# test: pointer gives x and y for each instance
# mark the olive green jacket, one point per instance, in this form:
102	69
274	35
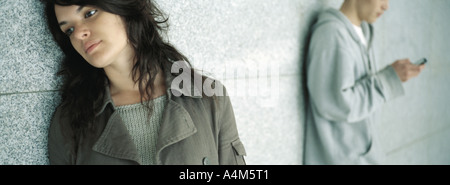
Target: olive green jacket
195	130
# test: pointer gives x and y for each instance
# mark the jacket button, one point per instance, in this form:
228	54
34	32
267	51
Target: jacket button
205	161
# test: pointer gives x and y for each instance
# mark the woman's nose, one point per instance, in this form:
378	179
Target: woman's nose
82	32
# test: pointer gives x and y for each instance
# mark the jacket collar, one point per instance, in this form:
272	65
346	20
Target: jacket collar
115	140
176	125
194	92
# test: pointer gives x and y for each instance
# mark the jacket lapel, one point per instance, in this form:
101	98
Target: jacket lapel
115	141
177	125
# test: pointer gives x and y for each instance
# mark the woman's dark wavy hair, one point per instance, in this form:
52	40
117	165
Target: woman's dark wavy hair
84	85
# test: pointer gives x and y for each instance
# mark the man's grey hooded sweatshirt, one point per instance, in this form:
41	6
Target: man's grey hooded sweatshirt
345	89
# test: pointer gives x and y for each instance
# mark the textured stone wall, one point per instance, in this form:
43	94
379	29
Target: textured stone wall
228	39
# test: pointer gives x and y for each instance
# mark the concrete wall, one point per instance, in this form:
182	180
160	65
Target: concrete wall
415	129
223	37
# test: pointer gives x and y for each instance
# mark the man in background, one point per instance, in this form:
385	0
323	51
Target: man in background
346	87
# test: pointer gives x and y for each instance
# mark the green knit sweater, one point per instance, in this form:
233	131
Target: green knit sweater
144	130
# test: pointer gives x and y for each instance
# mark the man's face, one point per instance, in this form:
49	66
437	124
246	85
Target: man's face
371	10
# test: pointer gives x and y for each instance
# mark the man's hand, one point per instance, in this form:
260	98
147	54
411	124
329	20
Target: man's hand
406	70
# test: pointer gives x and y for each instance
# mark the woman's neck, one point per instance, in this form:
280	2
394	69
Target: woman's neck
124	90
120	77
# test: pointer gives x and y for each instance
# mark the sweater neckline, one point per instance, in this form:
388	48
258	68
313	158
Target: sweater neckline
155	101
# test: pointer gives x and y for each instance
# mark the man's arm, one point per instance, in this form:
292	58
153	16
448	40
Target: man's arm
334	90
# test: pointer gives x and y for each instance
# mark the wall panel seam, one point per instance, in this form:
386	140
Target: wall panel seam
28	92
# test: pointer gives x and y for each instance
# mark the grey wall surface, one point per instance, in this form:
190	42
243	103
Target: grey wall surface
228	40
415	129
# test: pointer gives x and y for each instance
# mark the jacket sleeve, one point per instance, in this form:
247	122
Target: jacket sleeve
58	149
333	88
231	149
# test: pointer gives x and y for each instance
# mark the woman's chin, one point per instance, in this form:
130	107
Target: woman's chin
98	64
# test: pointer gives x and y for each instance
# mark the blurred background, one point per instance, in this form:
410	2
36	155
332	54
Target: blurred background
228	39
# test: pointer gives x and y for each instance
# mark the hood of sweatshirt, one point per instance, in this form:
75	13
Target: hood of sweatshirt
334	15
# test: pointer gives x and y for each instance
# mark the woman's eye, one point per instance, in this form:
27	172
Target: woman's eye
90	13
69	31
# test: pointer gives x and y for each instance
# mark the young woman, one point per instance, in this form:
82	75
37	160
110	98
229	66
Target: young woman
117	105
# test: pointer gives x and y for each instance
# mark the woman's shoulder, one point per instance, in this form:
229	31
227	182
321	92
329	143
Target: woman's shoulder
201	89
59	125
60	113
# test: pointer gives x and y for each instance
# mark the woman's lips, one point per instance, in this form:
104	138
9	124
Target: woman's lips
90	46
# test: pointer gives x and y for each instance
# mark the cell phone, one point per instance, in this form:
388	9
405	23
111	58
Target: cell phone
421	61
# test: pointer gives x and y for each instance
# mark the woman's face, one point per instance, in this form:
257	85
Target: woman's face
98	36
